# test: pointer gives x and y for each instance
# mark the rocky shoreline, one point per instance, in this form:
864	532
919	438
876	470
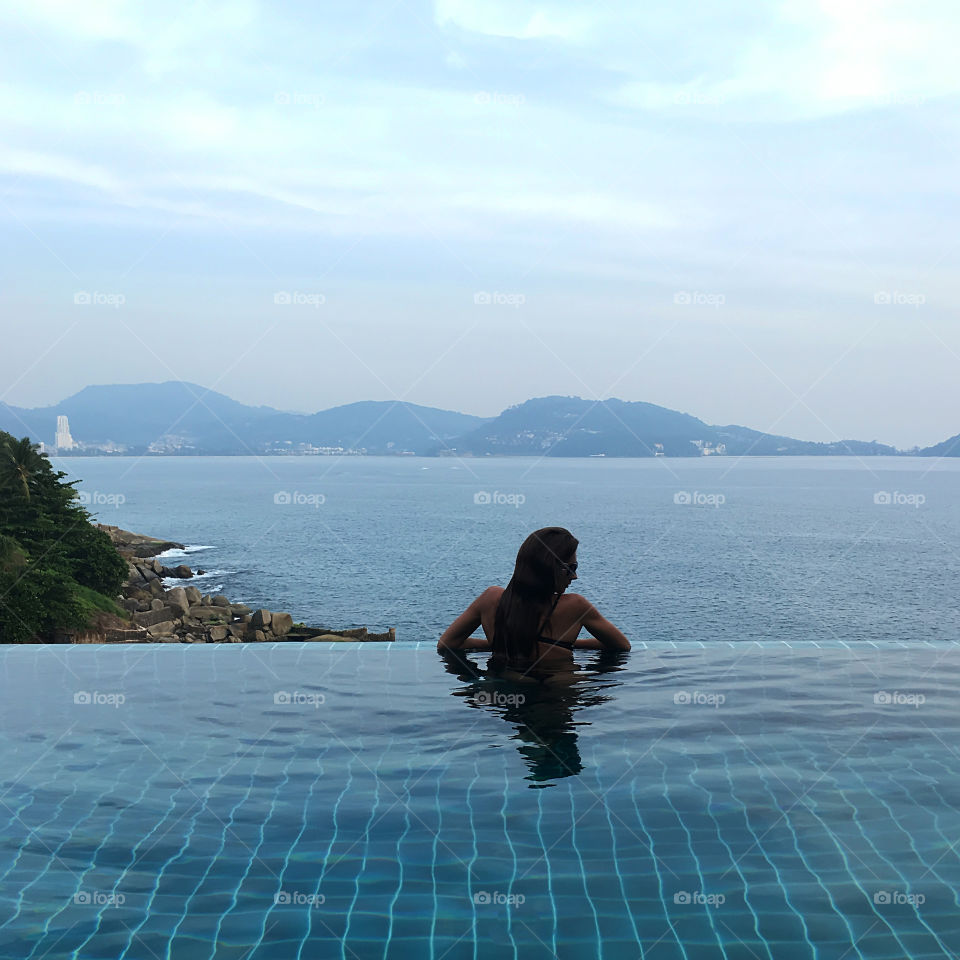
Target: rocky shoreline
185	614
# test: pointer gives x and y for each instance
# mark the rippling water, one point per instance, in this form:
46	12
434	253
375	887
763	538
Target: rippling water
792	548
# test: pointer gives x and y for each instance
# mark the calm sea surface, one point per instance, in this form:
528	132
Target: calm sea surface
794	548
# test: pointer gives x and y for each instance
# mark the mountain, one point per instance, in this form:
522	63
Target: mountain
573	427
186	418
948	448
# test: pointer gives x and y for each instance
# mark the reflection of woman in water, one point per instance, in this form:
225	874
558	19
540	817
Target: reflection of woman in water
532	626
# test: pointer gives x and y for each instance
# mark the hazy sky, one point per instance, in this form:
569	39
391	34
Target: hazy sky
743	210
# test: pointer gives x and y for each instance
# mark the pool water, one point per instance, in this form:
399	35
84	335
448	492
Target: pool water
686	800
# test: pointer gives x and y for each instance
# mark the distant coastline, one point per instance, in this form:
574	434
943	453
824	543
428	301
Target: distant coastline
184	419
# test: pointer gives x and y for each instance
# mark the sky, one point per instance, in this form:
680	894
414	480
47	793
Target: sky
742	210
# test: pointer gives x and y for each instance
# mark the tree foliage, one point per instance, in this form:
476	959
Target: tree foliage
51	555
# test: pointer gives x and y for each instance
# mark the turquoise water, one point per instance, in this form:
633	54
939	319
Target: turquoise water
797	549
686	800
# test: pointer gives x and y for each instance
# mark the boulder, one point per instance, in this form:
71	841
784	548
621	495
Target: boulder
151	617
193	595
205	600
240	609
218	634
155	565
281	624
177	597
162	629
156	589
130	604
157	604
256	636
329	637
260	618
206	614
221	601
146	573
182	572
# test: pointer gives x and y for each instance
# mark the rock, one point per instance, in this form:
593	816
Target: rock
217	634
281	624
193	595
136	593
183	572
146	573
143	606
258	636
329	637
246	618
157	604
236	630
261	618
130	604
177	597
155	565
162	629
205	600
156	589
151	617
239	609
221	601
206	614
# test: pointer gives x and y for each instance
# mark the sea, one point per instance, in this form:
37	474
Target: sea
819	549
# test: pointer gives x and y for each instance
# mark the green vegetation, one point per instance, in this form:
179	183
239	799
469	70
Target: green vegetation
56	568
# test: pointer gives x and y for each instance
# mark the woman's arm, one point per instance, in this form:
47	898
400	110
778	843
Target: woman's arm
457	635
608	637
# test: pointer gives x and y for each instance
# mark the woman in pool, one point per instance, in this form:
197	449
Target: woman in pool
533	625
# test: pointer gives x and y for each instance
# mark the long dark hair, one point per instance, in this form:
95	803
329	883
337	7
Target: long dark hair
532	593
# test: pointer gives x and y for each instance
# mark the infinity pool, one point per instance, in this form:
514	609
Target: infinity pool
347	800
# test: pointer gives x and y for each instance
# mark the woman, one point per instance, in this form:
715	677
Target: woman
533	625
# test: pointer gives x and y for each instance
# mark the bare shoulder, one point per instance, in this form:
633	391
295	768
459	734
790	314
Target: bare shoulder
578	602
490	596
